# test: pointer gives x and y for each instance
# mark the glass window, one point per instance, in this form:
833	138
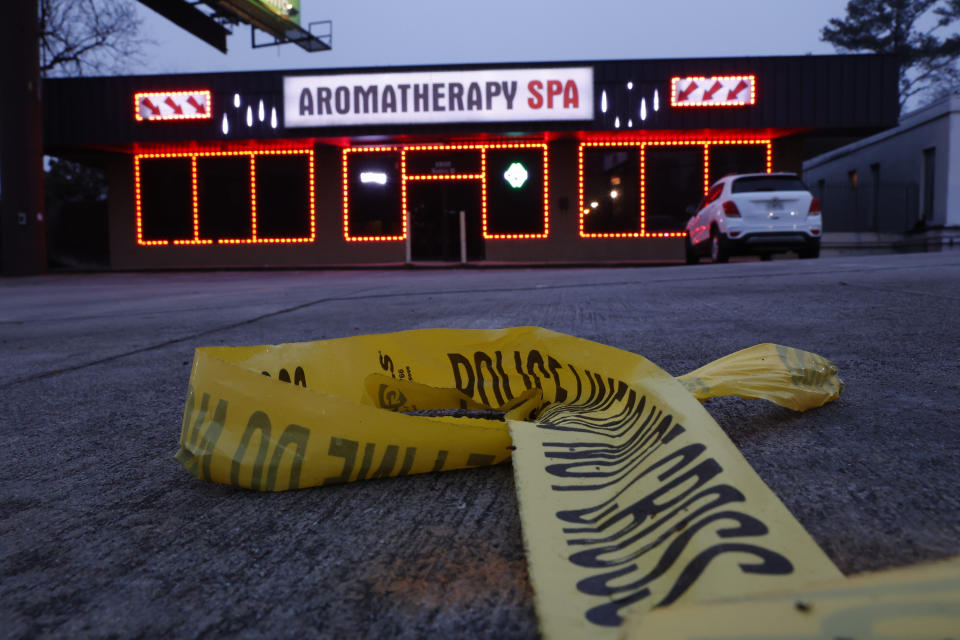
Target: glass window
771	182
611	190
929	165
515	199
223	197
673	181
283	196
726	159
373	188
166	199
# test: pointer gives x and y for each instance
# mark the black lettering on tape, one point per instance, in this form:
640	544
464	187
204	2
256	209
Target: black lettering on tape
196	456
440	461
464	386
480	359
534	358
346	449
518	363
408	457
293	436
579	383
480	459
367	461
611	585
503	376
661	500
388	463
299	377
258	422
554	366
386	362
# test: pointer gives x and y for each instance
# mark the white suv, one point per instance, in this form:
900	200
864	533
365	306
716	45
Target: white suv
755	214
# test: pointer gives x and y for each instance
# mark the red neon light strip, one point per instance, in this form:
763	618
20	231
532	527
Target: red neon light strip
196	214
153	100
641	145
404	212
482	176
709	86
346	195
253	239
446	176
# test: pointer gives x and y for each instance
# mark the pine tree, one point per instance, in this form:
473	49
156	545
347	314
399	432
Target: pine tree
928	62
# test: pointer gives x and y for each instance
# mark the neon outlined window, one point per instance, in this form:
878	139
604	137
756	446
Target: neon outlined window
484	176
255	158
640	147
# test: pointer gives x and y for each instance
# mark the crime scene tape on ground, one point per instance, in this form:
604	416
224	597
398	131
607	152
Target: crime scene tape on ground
631	496
914	603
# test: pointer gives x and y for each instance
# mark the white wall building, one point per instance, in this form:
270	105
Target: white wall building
899	187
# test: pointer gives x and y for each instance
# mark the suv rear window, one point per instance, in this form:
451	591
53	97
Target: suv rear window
767	183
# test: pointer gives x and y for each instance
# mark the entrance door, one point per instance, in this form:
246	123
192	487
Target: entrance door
434	208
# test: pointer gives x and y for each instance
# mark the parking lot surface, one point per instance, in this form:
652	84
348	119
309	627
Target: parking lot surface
105	534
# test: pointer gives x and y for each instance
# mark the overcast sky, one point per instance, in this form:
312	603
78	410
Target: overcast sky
378	33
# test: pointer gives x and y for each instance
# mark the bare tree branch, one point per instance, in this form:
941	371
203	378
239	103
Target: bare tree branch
88	36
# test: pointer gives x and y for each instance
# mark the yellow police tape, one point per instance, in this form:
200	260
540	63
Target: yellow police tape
631	495
913	603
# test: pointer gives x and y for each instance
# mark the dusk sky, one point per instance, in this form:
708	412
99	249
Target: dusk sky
378	33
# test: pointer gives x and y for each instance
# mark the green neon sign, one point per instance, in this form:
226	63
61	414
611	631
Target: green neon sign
516	175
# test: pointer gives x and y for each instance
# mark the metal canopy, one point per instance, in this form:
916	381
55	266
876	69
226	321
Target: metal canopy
210	20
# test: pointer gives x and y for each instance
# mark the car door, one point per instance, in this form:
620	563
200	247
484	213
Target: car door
700	229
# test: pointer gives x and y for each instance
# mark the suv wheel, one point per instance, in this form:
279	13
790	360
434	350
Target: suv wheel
692	257
718	246
812	250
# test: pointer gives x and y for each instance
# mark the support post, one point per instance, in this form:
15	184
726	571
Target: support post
463	237
23	243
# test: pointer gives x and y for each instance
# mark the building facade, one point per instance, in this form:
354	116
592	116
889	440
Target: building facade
902	184
516	163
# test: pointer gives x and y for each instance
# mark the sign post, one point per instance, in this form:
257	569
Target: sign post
23	243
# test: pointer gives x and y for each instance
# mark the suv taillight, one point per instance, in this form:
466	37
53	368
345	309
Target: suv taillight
814	207
730	209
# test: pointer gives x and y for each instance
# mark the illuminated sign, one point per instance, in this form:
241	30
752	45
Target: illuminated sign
516	175
373	177
289	9
172	105
713	91
495	95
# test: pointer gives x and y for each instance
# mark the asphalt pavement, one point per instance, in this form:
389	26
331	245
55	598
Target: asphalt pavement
104	534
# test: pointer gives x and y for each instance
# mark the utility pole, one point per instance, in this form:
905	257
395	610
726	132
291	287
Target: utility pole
23	243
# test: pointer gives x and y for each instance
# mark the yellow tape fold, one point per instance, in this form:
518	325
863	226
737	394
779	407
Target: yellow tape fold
631	495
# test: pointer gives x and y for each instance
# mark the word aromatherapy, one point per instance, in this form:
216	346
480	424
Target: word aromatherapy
498	95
